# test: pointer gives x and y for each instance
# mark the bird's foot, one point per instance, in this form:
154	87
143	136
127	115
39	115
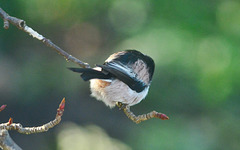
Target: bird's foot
121	106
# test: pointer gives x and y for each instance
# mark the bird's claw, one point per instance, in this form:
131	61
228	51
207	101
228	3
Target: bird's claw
120	105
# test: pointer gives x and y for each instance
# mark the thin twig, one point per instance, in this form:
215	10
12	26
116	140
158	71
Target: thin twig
143	117
21	24
29	130
6	142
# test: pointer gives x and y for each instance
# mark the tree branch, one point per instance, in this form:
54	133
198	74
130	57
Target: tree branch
140	118
7	143
29	130
21	24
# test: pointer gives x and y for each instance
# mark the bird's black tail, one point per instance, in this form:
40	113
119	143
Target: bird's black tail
89	73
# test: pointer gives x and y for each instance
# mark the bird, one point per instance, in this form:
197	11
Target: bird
124	78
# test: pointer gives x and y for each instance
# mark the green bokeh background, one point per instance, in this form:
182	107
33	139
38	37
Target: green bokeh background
196	48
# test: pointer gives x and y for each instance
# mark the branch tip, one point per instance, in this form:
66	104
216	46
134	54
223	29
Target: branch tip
162	116
2	107
10	121
62	104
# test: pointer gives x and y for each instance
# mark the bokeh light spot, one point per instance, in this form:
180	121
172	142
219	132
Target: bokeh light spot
92	137
48	11
214	59
215	88
164	45
128	16
213	54
83	39
228	17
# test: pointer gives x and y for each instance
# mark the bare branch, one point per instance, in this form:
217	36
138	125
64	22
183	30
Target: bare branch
29	130
143	117
6	142
21	24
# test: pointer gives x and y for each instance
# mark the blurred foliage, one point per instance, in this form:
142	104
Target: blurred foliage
195	45
72	136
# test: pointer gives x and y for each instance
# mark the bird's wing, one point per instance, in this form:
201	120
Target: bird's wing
124	75
89	73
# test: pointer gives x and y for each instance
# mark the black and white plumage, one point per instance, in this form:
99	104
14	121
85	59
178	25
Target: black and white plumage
124	77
